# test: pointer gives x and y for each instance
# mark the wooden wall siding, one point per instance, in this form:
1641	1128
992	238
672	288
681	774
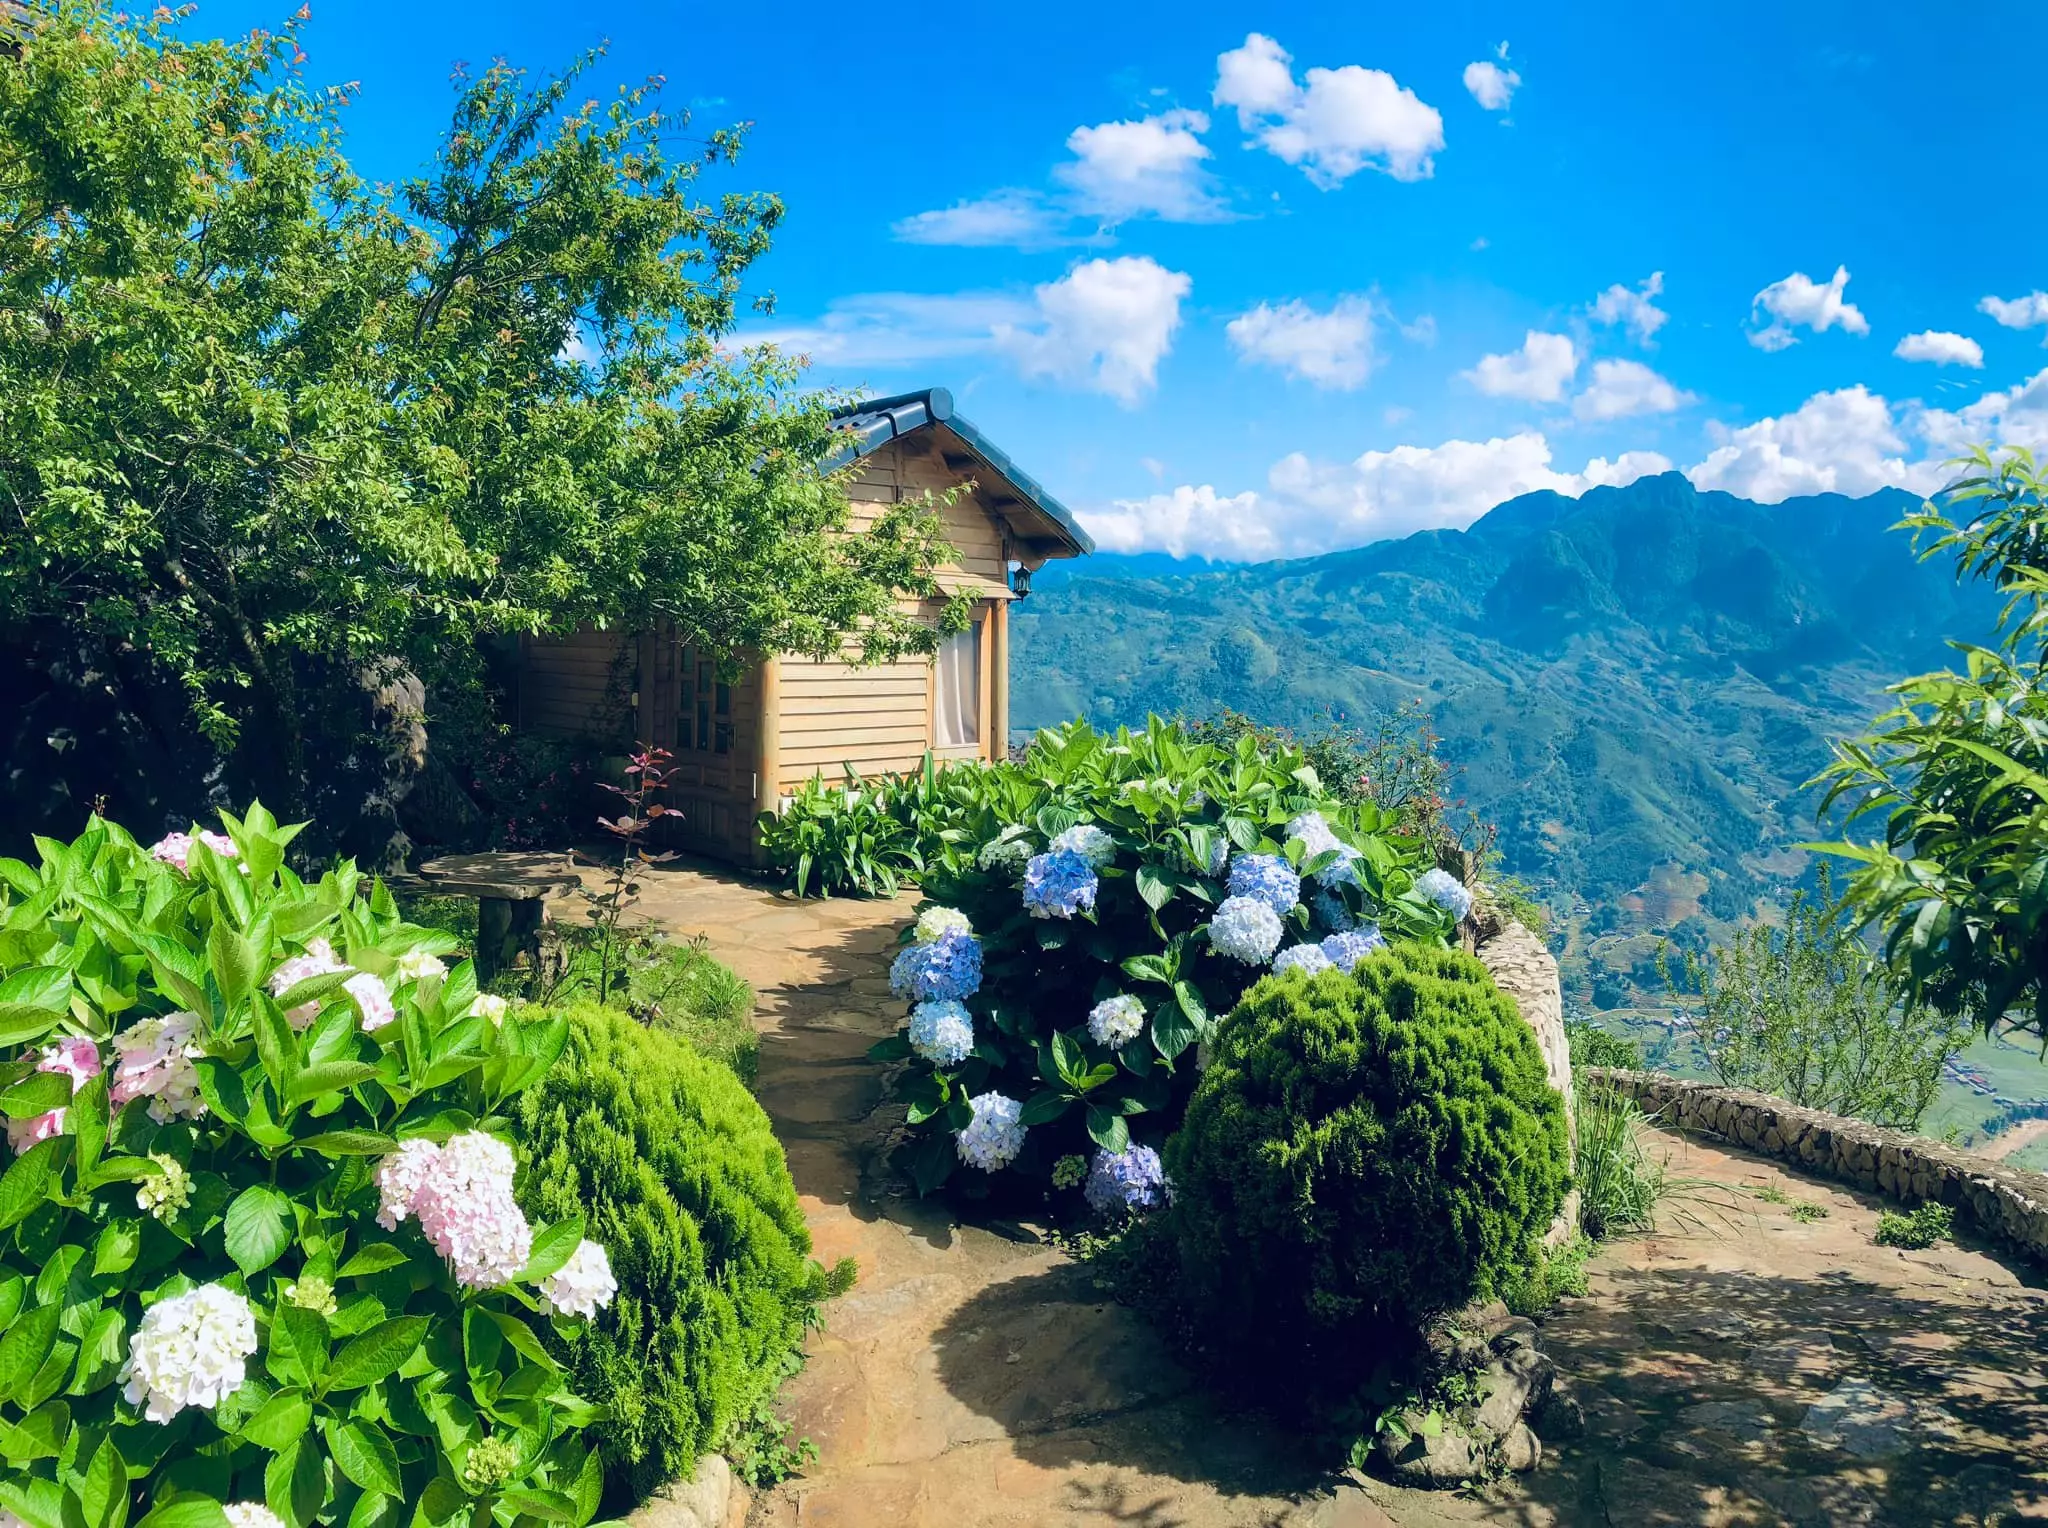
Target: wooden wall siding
876	719
578	686
896	472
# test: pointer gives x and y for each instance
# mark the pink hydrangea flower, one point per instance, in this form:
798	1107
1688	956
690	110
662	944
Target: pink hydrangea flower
74	1058
319	960
400	1178
175	849
462	1194
153	1059
373	999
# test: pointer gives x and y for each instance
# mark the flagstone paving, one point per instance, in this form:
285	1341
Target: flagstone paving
1741	1366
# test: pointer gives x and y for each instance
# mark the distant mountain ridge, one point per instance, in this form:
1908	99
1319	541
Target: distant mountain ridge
1635	683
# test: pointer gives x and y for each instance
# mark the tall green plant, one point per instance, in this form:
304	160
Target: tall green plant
1957	773
1808	1013
258	1245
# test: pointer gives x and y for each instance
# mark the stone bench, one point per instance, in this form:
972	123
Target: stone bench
511	891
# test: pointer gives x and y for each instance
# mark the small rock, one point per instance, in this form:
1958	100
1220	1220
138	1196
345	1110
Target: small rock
1559	1413
1515	1332
1446	1459
699	1502
1521	1451
1504	1396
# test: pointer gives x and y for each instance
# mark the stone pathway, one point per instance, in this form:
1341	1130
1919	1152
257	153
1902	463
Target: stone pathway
1739	1367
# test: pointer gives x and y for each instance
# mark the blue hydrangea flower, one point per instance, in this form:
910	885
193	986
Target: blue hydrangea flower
1447	891
1116	1021
1090	842
1332	912
1346	950
947	968
942	1032
1058	884
995	1135
1317	837
1245	929
1301	957
1131	1179
1265	878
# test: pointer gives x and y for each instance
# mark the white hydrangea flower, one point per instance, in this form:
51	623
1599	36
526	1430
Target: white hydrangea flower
400	1177
995	1135
1093	844
1301	957
1317	837
251	1514
164	1194
1116	1021
190	1350
319	960
942	1031
373	999
153	1060
488	1005
1009	851
934	921
582	1286
418	965
1245	929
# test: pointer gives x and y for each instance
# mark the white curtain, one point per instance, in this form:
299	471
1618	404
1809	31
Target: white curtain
957	691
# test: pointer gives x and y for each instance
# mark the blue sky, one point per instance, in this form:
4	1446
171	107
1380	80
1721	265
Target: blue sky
1270	280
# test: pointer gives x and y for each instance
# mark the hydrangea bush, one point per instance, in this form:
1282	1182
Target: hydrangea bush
1092	909
260	1259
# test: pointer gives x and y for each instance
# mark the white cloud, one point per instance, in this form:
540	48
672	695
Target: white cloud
1309	507
1536	373
1151	166
1010	217
1799	301
1104	326
1839	442
2028	312
2018	416
1623	389
1940	347
1421	330
1332	349
1333	124
898	329
1491	86
1636	309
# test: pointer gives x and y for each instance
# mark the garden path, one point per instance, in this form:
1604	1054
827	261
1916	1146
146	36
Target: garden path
1743	1366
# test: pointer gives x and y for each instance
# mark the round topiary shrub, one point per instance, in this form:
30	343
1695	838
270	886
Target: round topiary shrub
674	1165
1362	1153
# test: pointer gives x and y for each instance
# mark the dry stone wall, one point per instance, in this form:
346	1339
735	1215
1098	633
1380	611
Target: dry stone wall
1527	972
2007	1204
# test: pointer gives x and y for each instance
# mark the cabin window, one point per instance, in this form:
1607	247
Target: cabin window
956	691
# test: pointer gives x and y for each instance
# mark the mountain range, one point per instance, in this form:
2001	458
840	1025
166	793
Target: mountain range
1633	685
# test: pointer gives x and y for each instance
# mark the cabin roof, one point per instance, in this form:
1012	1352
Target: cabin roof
1035	515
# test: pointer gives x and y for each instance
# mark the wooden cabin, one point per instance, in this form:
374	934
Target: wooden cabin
744	741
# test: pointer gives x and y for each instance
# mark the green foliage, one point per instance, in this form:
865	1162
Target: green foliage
1594	1044
268	422
1363	1153
1171	807
678	1173
1917	1230
859	839
1806	1013
1549	1276
380	1391
1806	1212
1958	774
1619	1183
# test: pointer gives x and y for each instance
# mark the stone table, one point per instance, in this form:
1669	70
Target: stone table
511	891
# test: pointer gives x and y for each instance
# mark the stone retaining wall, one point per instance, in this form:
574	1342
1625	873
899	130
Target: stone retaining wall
2007	1204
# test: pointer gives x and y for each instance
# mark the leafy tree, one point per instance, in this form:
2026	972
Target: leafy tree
1958	774
1808	1013
270	434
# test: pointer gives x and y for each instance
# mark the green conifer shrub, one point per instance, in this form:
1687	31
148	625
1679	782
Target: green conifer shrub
1362	1153
674	1164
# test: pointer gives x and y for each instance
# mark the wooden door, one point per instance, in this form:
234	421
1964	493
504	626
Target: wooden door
714	781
